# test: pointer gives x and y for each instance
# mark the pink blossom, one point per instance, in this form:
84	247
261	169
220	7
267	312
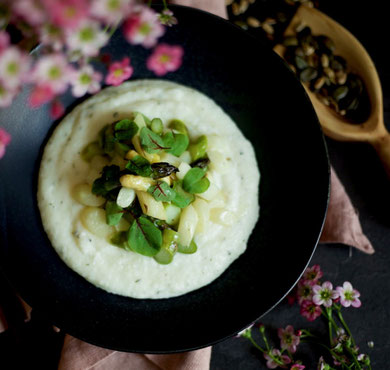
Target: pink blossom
14	65
5	139
57	109
67	14
275	353
348	295
40	94
86	39
6	95
304	291
84	80
297	367
143	27
165	58
32	11
119	72
4	40
310	310
111	11
52	71
312	275
52	36
324	294
288	339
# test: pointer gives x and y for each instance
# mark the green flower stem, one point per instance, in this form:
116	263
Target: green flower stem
355	360
265	339
340	316
255	344
165	5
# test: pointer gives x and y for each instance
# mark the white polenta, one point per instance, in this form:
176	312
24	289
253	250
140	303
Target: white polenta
114	269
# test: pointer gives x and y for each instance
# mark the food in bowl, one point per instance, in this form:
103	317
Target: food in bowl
148	190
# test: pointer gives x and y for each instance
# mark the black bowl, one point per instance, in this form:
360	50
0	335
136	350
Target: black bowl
258	91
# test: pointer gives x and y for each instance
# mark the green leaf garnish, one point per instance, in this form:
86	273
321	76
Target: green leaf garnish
139	166
162	192
144	237
121	149
125	129
151	142
113	213
195	181
120	240
107	139
182	198
108	181
177	143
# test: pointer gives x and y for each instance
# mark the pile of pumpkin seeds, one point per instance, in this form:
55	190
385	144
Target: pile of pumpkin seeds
311	57
313	60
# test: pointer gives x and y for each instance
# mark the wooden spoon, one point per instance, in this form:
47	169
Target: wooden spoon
373	130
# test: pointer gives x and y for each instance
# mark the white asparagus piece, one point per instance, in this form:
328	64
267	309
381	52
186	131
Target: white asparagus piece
187	225
151	206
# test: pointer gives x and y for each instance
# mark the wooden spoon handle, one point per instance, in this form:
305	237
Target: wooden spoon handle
382	146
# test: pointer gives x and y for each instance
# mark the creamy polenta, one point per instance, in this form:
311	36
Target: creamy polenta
222	232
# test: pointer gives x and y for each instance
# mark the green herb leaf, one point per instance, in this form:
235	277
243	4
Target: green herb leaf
107	139
182	199
125	129
151	142
162	192
113	213
121	149
120	240
177	143
144	237
139	166
195	181
108	181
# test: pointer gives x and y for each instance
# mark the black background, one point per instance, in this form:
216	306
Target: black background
364	179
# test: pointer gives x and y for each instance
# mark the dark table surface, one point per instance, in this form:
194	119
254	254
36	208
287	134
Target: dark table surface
361	172
364	179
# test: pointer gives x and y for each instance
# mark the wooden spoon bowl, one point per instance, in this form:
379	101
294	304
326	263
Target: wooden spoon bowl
334	125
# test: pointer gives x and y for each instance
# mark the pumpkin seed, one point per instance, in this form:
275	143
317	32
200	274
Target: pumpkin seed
341	77
253	22
340	93
324	60
319	83
300	63
268	28
308	74
290	41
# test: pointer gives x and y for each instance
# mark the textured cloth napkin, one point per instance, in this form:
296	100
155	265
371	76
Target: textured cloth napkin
341	226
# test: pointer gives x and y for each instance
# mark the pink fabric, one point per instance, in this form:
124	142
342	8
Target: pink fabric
78	355
217	7
342	223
